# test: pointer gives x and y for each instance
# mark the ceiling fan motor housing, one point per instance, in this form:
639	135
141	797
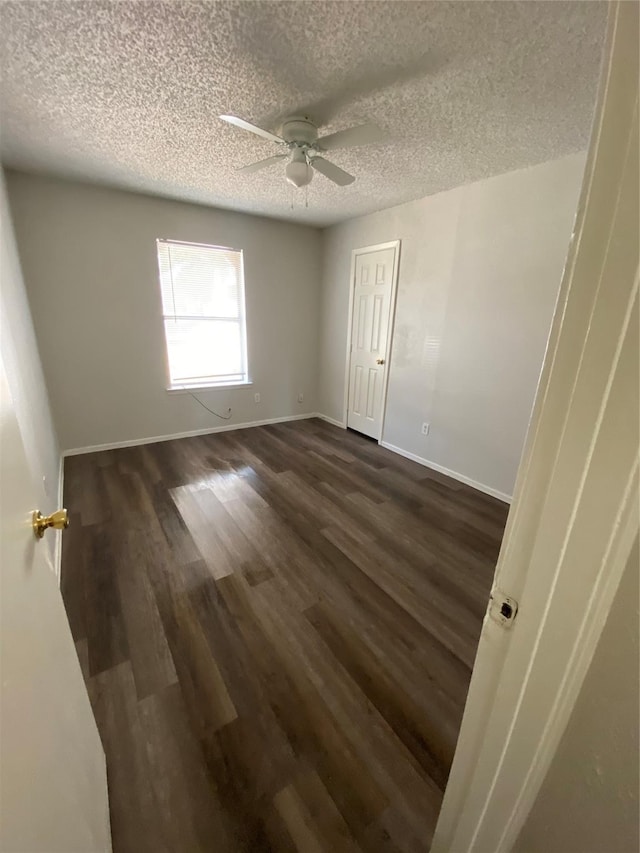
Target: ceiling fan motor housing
299	129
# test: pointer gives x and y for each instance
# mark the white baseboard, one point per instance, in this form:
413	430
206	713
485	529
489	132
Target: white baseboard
134	442
333	421
488	490
107	818
228	427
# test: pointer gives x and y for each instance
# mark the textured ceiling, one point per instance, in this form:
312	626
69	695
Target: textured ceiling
128	93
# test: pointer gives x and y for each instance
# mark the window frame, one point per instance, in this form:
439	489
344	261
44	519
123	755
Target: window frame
203	383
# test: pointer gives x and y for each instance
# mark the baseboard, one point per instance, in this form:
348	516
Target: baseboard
488	490
107	818
333	421
135	442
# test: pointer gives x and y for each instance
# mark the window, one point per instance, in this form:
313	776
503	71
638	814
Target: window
204	315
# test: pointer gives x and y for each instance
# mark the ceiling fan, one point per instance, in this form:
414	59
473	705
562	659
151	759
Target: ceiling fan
299	136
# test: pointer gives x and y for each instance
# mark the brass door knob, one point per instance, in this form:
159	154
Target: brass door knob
379	360
58	520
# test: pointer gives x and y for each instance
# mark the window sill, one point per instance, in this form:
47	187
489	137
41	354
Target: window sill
218	386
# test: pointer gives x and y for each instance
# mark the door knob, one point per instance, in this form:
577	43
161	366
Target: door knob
379	360
58	520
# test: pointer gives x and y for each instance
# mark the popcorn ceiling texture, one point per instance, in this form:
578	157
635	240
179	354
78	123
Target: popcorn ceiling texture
128	93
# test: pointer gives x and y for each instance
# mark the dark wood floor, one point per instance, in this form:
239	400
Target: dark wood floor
277	628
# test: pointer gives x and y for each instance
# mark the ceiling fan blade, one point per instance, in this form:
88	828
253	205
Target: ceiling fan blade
331	171
364	134
262	164
252	128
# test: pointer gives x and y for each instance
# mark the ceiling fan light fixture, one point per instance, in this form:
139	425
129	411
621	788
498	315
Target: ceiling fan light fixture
298	172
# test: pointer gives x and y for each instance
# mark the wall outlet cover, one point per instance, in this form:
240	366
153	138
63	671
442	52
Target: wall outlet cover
425	429
301	397
256	397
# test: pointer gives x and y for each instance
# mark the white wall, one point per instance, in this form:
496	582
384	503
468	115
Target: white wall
480	268
588	802
24	370
89	262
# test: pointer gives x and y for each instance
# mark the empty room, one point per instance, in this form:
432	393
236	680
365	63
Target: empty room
319	426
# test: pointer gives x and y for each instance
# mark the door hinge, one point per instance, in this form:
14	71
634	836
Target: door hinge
502	608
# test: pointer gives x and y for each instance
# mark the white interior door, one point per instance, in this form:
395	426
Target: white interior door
53	790
373	290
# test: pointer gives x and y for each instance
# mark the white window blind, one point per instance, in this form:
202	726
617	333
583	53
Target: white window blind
204	313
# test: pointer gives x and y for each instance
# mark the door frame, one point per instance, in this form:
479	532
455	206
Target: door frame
565	548
364	250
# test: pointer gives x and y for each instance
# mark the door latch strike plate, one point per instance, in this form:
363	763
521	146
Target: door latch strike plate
502	608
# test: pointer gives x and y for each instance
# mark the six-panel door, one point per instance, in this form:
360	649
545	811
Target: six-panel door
372	292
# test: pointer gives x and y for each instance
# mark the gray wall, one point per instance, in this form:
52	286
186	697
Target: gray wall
24	371
480	268
479	272
89	262
588	802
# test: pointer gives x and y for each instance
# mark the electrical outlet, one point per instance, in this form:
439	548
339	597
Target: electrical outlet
301	397
425	429
256	397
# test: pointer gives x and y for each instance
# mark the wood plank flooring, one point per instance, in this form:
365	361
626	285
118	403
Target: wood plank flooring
277	627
